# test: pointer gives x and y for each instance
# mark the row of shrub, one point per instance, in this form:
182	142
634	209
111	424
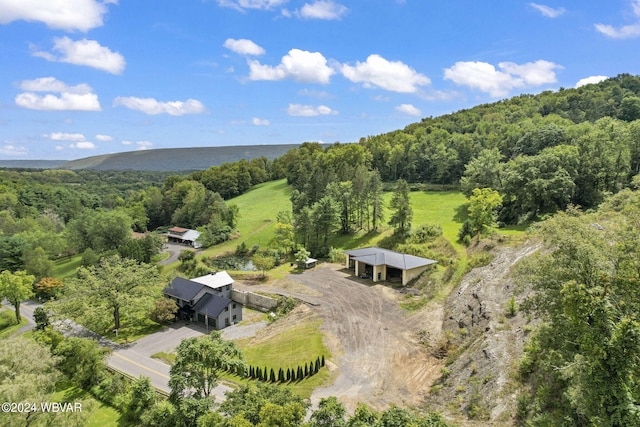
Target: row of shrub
282	376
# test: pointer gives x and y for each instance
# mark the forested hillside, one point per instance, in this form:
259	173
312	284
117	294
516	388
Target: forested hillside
541	153
531	155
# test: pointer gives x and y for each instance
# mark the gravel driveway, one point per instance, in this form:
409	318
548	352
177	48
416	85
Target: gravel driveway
373	340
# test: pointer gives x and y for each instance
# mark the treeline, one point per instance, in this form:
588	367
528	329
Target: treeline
46	215
541	153
581	365
282	377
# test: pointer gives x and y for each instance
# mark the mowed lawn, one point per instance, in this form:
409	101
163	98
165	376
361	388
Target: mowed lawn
291	348
260	206
445	208
258	210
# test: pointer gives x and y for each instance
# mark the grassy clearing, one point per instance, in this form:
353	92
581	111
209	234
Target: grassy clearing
258	210
66	267
8	323
288	349
99	414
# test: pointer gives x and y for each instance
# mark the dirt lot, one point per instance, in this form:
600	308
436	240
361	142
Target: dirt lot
375	350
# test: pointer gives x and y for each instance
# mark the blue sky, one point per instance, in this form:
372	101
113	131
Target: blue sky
87	77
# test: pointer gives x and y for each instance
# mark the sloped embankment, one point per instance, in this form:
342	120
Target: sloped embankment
485	342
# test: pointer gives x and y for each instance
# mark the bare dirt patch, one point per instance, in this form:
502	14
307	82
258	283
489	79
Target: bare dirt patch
379	360
377	356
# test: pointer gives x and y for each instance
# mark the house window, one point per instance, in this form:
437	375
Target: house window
234	305
235	317
226	308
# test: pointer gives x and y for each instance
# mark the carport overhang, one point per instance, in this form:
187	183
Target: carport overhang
359	263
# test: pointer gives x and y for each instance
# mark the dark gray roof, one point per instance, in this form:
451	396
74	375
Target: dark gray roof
183	289
211	305
378	256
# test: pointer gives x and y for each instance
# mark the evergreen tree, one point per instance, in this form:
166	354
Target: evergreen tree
401	206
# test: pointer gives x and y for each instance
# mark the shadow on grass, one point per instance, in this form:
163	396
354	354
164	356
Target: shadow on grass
462	213
131	332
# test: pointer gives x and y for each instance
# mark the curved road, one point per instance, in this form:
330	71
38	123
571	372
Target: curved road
135	359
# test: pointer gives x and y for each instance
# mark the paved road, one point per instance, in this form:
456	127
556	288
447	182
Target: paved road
174	250
135	359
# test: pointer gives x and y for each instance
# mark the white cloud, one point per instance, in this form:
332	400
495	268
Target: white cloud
309	110
486	78
85	52
315	94
51	84
10	149
547	11
590	80
394	76
104	138
61	136
74	98
242	5
323	9
626	31
153	107
69	15
260	122
409	109
83	145
298	65
243	47
140	145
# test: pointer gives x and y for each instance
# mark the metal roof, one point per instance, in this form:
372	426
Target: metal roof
211	305
214	280
183	289
378	256
178	230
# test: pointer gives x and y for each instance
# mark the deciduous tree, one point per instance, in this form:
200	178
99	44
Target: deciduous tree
115	285
16	287
483	209
198	364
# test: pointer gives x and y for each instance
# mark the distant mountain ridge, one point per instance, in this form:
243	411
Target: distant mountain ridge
162	159
32	164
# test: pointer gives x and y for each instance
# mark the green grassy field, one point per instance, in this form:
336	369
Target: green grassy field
66	267
259	207
99	414
258	210
288	349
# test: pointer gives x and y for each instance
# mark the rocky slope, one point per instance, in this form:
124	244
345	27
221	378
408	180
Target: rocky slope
484	338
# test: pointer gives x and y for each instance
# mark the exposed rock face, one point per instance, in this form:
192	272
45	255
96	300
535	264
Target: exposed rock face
485	343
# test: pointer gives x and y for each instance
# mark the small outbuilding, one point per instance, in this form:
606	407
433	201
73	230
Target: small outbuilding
309	263
184	236
383	264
